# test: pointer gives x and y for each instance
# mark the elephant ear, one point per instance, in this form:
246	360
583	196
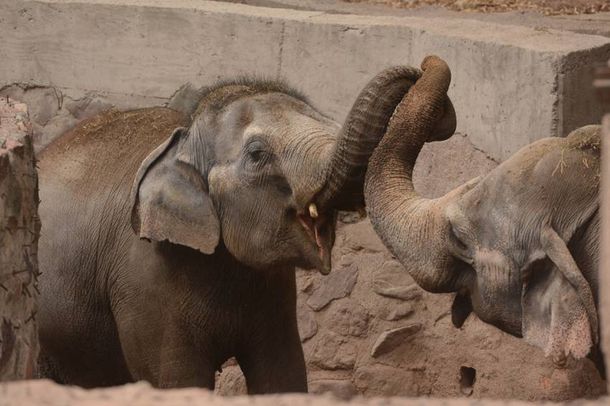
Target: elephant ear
170	201
559	313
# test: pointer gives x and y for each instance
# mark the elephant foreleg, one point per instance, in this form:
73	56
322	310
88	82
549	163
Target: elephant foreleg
276	364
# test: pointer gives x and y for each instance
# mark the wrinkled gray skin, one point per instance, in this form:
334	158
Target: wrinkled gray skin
520	246
162	256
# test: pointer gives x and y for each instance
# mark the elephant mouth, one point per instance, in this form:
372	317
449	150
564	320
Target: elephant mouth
319	230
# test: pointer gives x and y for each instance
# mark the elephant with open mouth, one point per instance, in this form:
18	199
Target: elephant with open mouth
169	241
519	246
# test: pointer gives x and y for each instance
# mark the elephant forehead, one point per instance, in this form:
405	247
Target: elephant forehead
300	141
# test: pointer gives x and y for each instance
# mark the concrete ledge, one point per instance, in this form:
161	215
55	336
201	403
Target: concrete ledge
511	84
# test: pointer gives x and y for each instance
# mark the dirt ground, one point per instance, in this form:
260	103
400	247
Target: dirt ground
547	7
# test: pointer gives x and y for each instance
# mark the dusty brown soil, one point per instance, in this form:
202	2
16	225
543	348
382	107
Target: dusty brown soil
547	7
30	393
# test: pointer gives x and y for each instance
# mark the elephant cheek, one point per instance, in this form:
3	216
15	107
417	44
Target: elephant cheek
222	188
235	203
496	296
219	183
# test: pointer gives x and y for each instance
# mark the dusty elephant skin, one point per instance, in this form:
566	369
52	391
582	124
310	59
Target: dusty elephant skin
166	250
519	245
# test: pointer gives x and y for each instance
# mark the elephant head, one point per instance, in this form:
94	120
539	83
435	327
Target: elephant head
511	244
261	172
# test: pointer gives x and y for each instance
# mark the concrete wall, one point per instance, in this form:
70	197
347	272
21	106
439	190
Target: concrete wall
511	84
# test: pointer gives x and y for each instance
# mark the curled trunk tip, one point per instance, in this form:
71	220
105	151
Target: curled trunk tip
361	132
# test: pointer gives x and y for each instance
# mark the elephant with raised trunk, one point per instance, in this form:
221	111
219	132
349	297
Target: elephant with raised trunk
519	246
167	249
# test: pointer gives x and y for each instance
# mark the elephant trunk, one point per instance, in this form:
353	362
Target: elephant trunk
415	229
361	132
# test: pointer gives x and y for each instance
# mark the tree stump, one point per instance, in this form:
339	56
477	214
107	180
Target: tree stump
19	230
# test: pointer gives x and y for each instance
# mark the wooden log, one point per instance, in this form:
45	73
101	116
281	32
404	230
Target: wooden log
19	230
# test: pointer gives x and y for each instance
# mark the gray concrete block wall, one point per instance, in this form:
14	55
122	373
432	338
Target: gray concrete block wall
511	85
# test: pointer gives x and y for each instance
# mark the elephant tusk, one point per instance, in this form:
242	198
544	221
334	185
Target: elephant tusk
313	211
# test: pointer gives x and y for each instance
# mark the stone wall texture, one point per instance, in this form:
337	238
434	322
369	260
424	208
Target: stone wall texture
19	230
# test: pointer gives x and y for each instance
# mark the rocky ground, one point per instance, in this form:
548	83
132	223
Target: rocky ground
547	7
141	394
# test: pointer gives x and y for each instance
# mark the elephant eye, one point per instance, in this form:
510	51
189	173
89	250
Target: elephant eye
256	152
257	155
460	248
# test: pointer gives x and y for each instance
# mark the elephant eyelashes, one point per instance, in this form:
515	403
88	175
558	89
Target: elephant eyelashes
257	156
460	249
256	153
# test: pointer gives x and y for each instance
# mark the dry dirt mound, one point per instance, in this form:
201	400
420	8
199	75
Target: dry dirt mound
547	7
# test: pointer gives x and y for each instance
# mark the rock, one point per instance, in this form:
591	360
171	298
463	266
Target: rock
14	92
381	379
390	339
186	99
43	102
305	281
348	318
86	107
57	126
342	389
350	217
383	288
391	274
333	352
336	285
361	237
399	312
308	327
230	381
